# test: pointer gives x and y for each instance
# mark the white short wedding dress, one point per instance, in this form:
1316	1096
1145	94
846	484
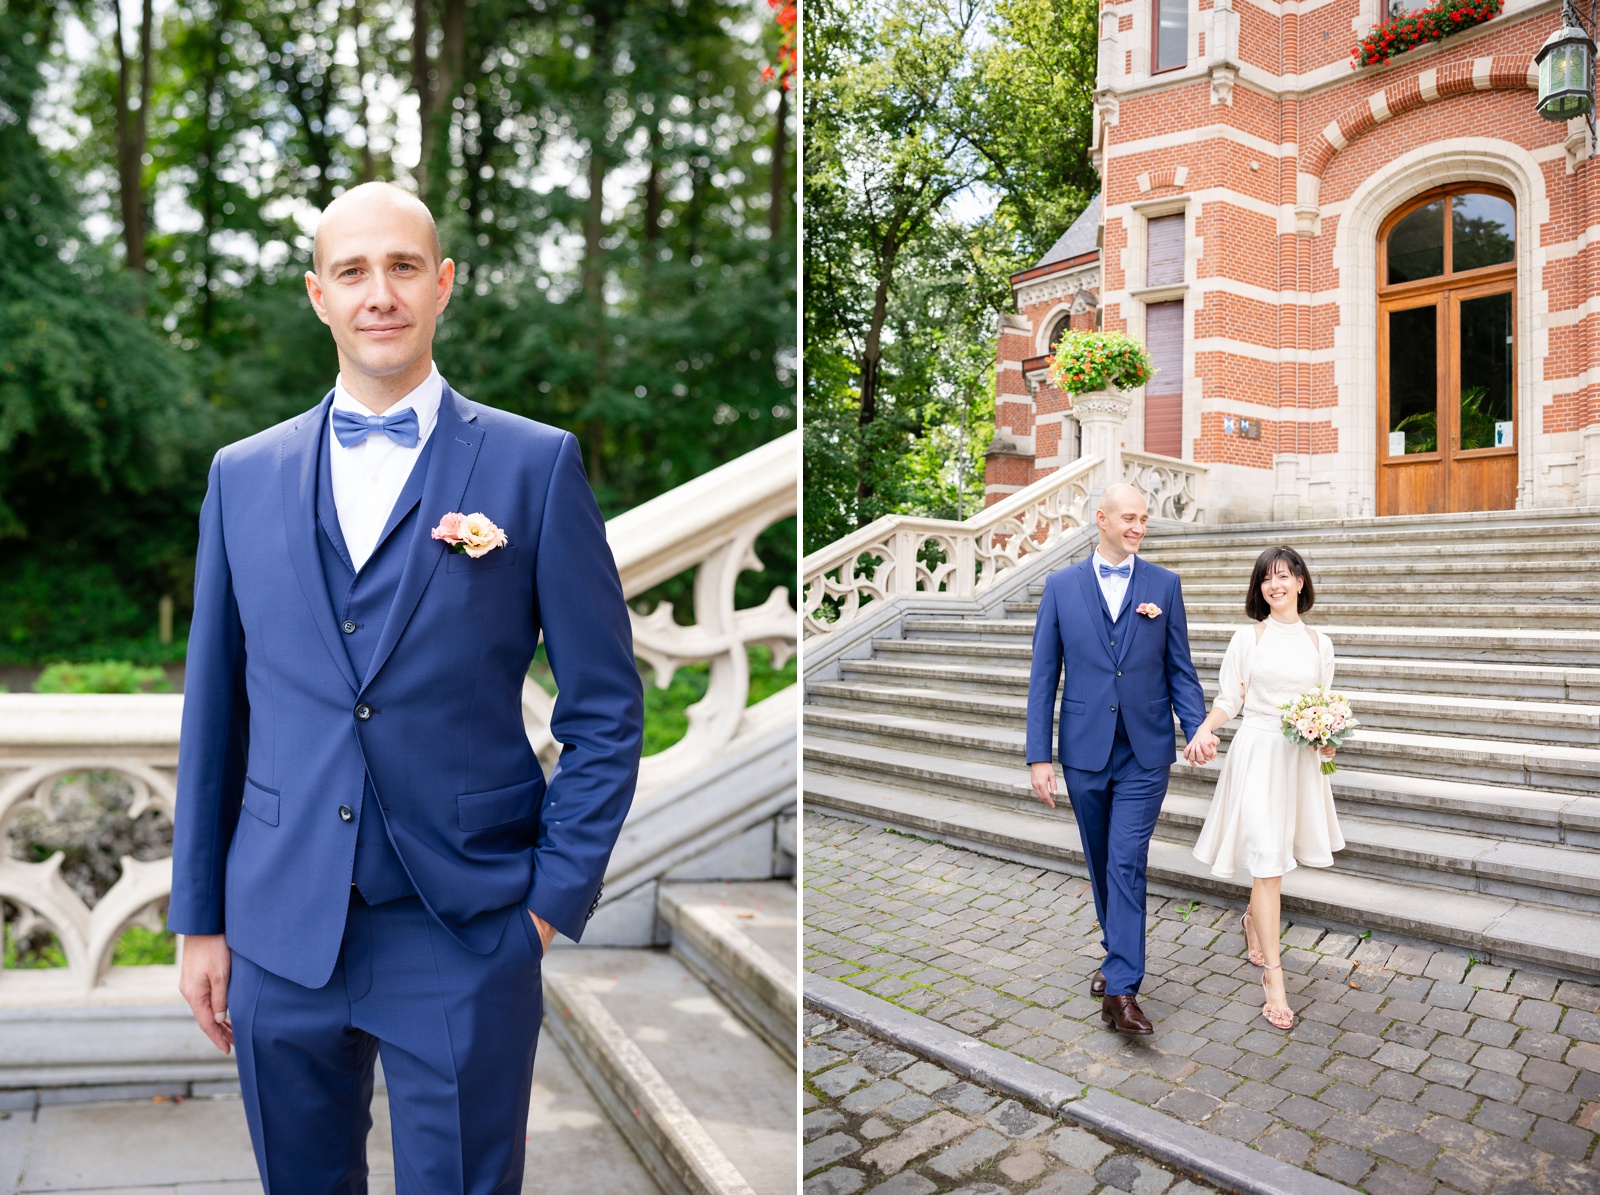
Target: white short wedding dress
1273	808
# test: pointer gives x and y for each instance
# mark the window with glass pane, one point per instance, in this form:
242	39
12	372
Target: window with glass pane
1413	381
1485	372
1060	330
1483	231
1416	244
1172	34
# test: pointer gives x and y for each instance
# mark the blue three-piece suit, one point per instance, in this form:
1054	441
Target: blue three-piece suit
359	808
1124	678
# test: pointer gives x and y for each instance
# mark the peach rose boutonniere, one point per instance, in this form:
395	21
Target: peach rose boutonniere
1148	609
473	534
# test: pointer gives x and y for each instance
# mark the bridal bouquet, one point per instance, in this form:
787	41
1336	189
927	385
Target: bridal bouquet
1318	719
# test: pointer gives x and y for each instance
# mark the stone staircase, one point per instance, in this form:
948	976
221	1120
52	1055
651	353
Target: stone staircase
1470	801
691	1051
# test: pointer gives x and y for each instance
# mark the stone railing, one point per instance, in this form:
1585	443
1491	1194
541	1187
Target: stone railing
902	556
1170	486
708	526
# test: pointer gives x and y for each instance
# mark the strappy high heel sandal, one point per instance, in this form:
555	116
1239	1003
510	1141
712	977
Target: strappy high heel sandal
1254	954
1266	1007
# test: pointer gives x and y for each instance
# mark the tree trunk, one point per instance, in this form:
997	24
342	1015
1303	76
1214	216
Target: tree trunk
363	112
420	84
780	151
871	367
652	189
131	139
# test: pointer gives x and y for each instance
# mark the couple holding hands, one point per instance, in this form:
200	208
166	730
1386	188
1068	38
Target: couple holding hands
1116	626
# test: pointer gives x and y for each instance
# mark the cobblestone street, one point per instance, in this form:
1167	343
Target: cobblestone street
882	1122
1410	1069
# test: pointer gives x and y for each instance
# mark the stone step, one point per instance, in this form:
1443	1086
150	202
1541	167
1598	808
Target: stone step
702	1099
1558	768
1402	569
1002	699
1546	872
1568	648
973	665
1484	587
1493	927
1553	614
1490	812
742	940
1425	535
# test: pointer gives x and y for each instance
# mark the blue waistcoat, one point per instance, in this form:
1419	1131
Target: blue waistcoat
361	602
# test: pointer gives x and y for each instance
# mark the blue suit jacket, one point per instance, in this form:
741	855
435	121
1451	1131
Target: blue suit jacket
272	744
1145	677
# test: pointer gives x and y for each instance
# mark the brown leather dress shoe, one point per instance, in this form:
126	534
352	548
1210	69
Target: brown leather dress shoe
1123	1014
1097	984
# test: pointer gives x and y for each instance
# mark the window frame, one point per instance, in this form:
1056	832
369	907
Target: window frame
1155	40
1450	277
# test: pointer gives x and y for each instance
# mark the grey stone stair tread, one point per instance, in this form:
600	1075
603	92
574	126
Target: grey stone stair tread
573	1148
1447	636
1502	803
738	1090
1573	869
767	911
1495	924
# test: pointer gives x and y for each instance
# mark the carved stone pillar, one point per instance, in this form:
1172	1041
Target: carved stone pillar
1100	414
1589	468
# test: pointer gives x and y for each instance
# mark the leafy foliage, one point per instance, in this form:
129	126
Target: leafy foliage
1086	361
1406	29
946	149
102	676
612	180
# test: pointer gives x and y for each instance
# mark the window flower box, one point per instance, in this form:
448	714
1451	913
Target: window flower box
1409	30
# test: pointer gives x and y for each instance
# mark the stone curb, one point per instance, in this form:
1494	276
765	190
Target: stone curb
1225	1162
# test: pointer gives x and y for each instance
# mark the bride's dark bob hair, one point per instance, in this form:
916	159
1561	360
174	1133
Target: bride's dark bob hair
1255	606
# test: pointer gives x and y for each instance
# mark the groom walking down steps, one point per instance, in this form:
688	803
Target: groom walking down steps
367	859
1116	625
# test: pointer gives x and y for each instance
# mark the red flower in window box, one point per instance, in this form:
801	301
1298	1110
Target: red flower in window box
1436	22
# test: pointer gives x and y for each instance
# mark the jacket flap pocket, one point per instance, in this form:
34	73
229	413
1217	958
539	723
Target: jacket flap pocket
1073	707
260	802
480	811
498	558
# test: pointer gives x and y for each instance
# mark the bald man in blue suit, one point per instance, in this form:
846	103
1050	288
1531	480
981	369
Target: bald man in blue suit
367	858
1116	627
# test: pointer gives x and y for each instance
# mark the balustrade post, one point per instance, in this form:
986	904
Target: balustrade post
1100	414
966	562
904	548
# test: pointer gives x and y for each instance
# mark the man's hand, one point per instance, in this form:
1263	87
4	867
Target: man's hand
1201	749
547	932
203	982
1043	778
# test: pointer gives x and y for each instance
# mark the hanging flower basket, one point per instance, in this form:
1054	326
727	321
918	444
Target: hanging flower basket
1411	29
1086	361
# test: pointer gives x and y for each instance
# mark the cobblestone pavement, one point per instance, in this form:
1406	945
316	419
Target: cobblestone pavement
880	1121
1413	1070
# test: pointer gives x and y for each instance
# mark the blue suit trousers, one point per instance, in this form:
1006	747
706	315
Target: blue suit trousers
1116	809
456	1031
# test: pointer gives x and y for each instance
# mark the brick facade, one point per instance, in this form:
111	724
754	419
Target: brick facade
1284	162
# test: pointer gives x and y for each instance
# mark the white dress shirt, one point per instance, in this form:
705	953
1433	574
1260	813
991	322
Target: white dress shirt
1114	587
368	478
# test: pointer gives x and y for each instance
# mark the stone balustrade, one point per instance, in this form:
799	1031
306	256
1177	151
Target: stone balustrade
709	525
904	555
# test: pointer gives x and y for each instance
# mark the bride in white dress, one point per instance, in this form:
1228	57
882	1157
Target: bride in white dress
1273	808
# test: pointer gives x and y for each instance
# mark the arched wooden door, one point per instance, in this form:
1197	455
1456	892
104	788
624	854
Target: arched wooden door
1447	422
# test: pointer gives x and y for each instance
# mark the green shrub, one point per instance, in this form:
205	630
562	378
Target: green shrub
102	676
141	947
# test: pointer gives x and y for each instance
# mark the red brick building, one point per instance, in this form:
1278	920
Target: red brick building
1367	291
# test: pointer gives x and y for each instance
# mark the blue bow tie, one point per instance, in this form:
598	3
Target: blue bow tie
1121	570
401	427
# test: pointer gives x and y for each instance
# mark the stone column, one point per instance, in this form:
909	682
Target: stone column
1589	468
1100	414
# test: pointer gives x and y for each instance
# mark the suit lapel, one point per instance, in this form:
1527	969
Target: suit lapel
1094	602
455	443
1137	595
298	470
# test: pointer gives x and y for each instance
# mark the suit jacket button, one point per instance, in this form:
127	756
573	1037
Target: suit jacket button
363	712
346	814
1113	709
348	627
1119	673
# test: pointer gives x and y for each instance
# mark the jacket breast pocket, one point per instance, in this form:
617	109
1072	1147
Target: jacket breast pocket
459	562
260	802
498	806
1073	707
